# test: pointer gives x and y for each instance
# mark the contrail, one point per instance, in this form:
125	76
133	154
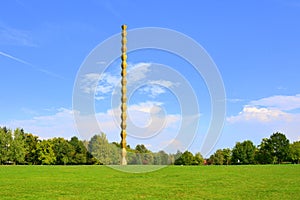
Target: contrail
14	58
31	65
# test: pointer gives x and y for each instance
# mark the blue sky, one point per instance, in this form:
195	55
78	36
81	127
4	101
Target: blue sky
254	44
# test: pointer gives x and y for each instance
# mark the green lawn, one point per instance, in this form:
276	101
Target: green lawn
174	182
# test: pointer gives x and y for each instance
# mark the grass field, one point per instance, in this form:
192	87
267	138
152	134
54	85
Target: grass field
174	182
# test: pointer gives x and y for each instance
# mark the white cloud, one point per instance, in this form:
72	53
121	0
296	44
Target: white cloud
105	83
275	113
147	107
252	113
60	124
146	119
89	82
155	88
268	109
137	72
101	84
99	98
167	84
152	90
279	102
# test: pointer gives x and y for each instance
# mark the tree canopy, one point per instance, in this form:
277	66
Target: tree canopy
18	147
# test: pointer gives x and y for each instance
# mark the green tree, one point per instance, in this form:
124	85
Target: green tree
132	158
263	154
243	153
175	157
156	159
115	153
5	145
295	152
217	158
198	159
148	158
18	149
141	148
144	156
46	155
78	151
185	159
227	156
100	148
280	147
163	158
62	150
31	154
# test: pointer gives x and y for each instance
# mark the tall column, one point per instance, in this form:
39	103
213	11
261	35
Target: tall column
123	98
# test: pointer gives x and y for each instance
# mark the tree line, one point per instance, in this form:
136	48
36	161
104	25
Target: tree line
18	147
273	150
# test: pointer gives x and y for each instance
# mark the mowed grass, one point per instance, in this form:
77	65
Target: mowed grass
173	182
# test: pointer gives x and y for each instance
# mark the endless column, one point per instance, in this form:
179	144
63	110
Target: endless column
123	98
